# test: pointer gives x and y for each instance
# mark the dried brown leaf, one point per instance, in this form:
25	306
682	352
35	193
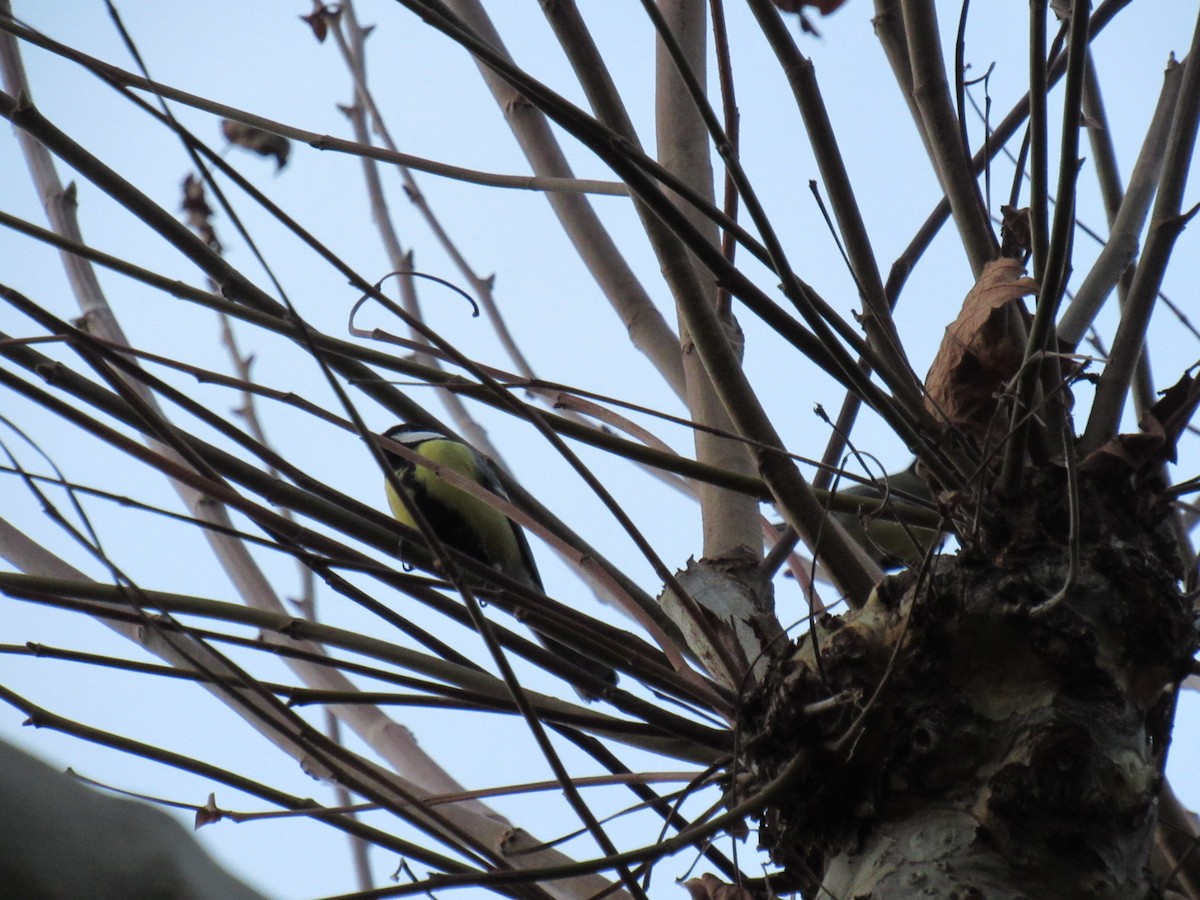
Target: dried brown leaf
1015	238
197	213
318	20
979	354
709	887
1159	432
257	141
1176	409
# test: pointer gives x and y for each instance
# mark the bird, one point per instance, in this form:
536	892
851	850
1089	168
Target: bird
891	544
469	524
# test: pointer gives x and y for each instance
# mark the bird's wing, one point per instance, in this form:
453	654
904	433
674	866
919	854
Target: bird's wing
488	479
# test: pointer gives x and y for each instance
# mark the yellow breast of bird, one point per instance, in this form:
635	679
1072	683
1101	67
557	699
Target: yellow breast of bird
460	520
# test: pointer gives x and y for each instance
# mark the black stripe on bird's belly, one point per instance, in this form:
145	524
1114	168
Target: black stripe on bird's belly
450	526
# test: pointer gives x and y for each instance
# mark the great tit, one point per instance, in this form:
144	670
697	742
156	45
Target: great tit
889	543
470	525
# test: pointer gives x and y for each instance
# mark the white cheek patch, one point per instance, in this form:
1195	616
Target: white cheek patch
412	438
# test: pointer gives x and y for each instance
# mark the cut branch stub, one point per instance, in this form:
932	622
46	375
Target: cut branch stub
980	353
739	612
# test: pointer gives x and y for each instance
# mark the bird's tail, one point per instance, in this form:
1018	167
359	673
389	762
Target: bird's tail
586	689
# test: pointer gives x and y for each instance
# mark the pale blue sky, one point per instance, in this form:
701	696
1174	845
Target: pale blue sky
261	58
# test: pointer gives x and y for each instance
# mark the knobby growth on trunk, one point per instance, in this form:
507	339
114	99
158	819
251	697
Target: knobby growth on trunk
997	723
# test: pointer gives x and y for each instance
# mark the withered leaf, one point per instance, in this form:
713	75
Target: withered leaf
257	141
979	354
197	213
1175	410
1015	238
1159	431
318	20
709	887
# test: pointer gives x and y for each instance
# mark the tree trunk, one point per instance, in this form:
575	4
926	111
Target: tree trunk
998	726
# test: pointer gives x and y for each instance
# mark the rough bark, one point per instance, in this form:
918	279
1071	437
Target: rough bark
992	735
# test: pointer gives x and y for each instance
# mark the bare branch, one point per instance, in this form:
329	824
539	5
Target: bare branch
1165	226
